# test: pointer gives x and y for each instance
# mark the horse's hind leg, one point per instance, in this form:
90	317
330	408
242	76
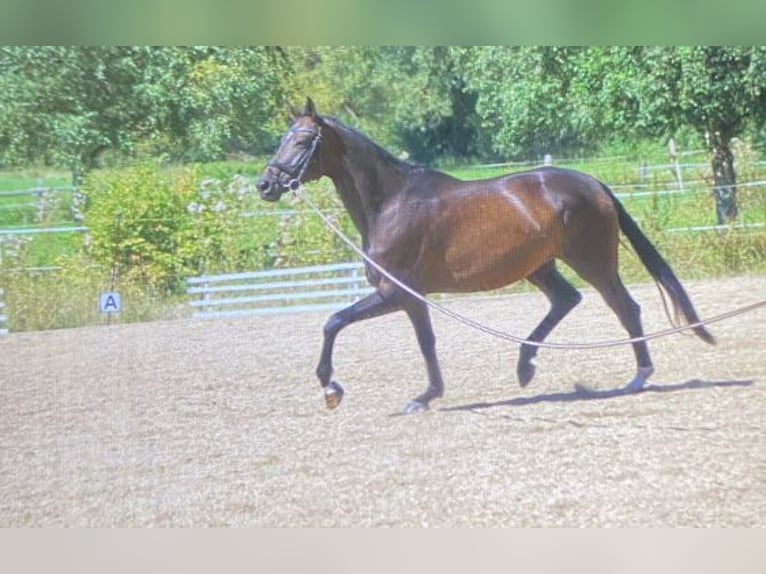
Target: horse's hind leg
591	249
563	297
629	312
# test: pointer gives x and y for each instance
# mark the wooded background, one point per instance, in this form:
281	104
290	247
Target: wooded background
74	106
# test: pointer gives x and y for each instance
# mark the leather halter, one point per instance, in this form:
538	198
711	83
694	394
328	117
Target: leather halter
300	164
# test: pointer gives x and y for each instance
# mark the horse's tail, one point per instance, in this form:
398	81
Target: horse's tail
659	269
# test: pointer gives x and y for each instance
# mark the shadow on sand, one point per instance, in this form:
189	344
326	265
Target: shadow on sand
583	393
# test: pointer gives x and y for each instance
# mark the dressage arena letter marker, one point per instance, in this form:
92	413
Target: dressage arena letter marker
111	303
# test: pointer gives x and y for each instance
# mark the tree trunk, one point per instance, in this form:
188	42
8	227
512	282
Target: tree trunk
724	179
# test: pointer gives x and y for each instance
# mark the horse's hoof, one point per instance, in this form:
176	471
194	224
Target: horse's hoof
414	407
333	395
636	385
638	382
525	373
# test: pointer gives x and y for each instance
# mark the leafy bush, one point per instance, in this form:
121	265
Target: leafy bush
222	237
159	226
136	218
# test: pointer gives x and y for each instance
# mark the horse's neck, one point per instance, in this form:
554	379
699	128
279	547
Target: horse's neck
365	179
353	202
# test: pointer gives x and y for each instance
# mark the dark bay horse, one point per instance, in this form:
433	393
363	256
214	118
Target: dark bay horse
436	233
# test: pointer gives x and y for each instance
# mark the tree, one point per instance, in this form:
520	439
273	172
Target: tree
720	92
232	100
447	124
523	99
68	105
409	99
538	99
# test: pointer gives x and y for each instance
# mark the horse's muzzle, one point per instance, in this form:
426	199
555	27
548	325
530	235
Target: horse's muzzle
270	189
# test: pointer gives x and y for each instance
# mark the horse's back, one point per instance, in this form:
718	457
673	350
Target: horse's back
530	202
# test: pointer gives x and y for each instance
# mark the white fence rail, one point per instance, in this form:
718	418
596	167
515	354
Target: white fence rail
275	291
3	317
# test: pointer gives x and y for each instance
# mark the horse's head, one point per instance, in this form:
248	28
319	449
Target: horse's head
297	159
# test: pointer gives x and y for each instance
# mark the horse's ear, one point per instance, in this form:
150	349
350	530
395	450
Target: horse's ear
310	109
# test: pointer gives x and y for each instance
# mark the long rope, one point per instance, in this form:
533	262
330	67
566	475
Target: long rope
300	193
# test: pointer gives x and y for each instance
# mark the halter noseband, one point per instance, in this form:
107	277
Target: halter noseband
303	160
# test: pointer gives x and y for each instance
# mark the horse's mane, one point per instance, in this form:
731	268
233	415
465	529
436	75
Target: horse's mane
379	150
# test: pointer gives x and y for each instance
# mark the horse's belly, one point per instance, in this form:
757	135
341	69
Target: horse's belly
490	249
483	271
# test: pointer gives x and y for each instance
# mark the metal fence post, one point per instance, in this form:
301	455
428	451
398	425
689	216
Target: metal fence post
3	316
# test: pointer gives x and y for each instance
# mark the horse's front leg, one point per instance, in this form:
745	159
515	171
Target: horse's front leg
373	305
421	321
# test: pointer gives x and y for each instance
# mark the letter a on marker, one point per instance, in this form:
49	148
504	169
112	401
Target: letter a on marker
110	303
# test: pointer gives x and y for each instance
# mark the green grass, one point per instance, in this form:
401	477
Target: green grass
22	211
32	178
19	210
